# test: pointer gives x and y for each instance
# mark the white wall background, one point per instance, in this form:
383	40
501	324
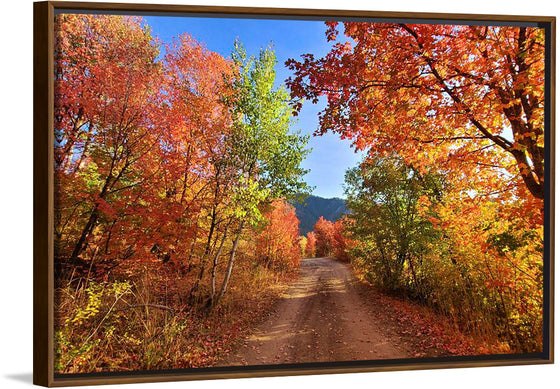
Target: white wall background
16	211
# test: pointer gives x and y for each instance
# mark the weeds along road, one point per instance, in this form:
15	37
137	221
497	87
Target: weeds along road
322	317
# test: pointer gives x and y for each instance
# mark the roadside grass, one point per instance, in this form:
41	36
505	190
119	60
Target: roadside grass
426	332
147	323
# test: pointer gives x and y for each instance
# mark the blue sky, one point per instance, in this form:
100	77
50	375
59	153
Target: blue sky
330	156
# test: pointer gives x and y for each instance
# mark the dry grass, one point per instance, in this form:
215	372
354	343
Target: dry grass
427	332
146	322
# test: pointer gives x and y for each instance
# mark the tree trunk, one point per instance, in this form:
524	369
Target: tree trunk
81	244
204	258
230	263
110	181
215	264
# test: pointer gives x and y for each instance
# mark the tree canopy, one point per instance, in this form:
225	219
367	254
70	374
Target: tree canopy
462	97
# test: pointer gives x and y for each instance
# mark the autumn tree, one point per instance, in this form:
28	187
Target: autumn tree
458	96
107	87
197	181
341	242
311	245
385	197
261	147
324	231
302	245
329	238
277	244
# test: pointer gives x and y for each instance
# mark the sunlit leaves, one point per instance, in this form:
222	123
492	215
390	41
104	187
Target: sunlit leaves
454	96
277	245
159	157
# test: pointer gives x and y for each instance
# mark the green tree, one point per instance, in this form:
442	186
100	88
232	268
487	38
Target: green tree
386	198
261	147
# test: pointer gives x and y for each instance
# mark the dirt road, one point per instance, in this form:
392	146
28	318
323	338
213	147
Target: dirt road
322	317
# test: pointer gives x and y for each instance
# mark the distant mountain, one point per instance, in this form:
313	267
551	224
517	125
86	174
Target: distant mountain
309	211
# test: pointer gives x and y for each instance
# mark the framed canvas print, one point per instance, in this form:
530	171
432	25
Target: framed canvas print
229	192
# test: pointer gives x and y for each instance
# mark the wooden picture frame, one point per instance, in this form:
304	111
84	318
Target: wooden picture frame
43	230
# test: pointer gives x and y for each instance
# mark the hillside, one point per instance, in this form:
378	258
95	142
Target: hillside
309	212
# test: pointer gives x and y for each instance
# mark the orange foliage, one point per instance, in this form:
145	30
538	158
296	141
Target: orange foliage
324	231
277	245
331	238
341	242
460	97
311	246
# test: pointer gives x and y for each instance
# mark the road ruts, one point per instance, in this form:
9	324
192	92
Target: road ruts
320	318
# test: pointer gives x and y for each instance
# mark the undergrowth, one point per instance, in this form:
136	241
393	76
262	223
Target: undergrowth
143	324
